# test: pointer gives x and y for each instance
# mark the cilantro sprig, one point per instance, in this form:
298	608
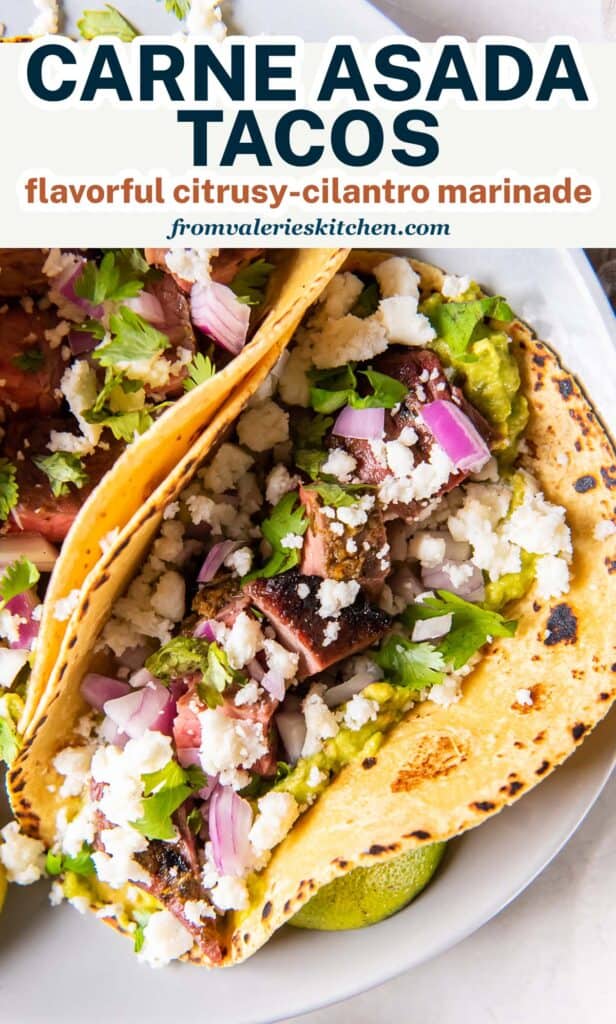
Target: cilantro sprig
106	282
456	323
57	863
9	489
335	494
62	469
250	282
414	666
287	517
18	577
178	7
368	301
186	654
165	791
331	389
106	23
132	338
472	626
30	361
200	369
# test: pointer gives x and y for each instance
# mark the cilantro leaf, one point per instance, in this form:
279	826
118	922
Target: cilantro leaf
62	469
106	23
123	425
287	517
106	282
165	791
30	361
10	743
18	577
93	327
455	322
250	282
138	937
9	490
310	460
80	864
133	338
414	666
368	301
335	494
131	263
185	654
341	389
470	629
178	7
199	370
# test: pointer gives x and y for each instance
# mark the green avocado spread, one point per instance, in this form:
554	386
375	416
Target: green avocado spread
347	745
490	379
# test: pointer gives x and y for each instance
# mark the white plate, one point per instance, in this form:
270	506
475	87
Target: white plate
58	966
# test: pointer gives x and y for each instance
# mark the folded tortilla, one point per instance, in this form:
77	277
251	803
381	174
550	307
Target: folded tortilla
442	770
293	286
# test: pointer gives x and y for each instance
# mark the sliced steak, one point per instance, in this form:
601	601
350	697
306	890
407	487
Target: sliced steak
213	598
177	326
37	508
423	374
358	553
21	272
22	340
300	627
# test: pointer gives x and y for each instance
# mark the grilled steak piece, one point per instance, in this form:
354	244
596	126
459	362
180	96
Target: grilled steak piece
218	598
30	370
423	374
37	508
178	328
21	272
357	553
300	627
224	266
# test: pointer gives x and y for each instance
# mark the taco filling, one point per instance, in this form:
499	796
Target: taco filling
345	555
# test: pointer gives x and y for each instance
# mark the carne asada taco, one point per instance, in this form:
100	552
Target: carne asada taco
110	366
365	612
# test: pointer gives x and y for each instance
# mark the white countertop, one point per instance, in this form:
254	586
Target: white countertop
549	957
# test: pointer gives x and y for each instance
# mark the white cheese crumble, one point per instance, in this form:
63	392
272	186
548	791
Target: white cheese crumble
277	813
190	264
453	286
169	597
292	541
79	386
230	893
402	323
604	528
334	595
315	777
303	591
338	298
164	939
204	18
74	764
248	694
538	526
243	641
279	482
330	633
263	426
359	711
397	277
196	911
321	723
552	576
46	21
446	693
279	659
349	338
22	857
226	468
65	606
428	549
524	697
340	464
229	744
239	561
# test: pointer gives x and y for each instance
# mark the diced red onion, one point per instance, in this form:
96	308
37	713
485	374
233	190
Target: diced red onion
189	756
64	283
256	670
147	306
97	689
431	629
12	660
456	434
29	545
439	578
214	560
81	342
208	789
273	682
139	710
230	820
217	311
23	605
141	678
292	728
111	734
344	691
367	424
204	630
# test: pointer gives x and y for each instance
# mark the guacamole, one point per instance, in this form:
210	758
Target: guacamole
348	745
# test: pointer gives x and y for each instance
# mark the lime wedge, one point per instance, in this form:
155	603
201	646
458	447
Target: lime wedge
368	895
